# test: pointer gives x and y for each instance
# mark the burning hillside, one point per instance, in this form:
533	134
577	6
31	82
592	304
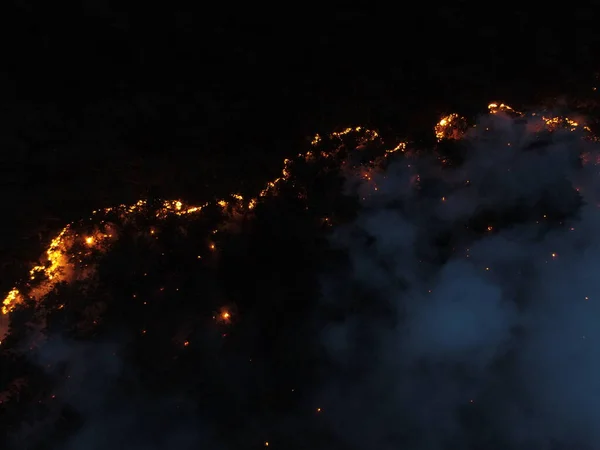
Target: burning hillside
233	291
68	254
64	260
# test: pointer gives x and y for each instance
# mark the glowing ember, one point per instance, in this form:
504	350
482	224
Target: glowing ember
495	108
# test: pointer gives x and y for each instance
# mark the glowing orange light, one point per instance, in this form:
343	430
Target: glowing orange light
59	265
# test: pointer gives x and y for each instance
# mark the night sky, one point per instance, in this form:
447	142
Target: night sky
445	309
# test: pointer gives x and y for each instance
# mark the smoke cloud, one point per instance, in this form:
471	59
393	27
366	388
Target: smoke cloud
103	390
485	273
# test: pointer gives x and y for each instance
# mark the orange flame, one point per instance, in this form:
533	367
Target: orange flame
58	256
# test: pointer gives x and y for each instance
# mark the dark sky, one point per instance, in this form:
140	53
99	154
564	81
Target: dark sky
108	86
99	66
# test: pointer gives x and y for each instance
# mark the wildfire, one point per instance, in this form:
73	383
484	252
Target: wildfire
63	258
553	123
451	126
13	297
495	108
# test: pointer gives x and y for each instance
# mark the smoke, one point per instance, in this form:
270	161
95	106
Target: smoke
478	324
93	381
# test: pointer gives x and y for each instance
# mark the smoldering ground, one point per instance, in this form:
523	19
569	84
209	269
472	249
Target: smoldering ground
485	270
